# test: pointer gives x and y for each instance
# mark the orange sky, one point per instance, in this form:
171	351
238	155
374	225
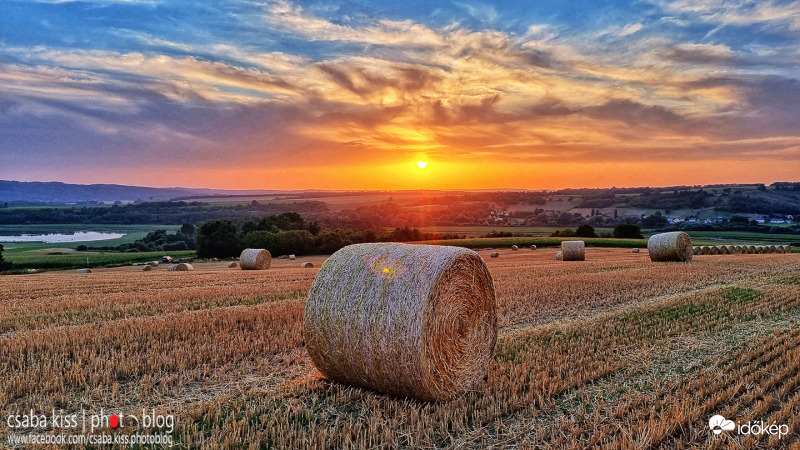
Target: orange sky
324	97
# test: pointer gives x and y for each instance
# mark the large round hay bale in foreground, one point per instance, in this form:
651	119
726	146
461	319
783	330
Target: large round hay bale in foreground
147	268
573	251
255	259
84	270
673	246
494	254
558	255
409	320
182	267
306	265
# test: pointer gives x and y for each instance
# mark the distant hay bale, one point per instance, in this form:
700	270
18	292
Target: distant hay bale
533	247
84	270
292	257
752	249
233	264
494	254
558	255
673	246
170	268
779	249
573	251
306	265
760	249
410	320
697	250
772	249
723	250
255	259
147	268
705	250
634	250
715	250
788	249
514	247
153	263
182	267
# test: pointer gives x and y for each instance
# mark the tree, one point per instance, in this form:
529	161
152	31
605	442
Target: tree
585	231
4	265
217	239
188	229
628	231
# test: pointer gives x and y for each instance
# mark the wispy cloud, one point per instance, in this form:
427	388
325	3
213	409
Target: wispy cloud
377	90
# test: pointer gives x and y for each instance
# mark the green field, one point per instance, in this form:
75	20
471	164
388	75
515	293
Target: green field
37	259
61	255
538	241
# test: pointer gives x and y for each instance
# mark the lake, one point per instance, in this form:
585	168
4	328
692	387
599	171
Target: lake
78	236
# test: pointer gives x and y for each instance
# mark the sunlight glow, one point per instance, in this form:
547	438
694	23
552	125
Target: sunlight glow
422	164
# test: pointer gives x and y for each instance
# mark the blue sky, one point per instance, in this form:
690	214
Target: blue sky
348	95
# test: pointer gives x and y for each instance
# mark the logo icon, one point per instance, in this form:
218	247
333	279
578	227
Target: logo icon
718	424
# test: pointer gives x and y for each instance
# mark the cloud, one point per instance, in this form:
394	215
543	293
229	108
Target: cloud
375	91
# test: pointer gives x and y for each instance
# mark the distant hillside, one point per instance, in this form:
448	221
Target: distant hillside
56	192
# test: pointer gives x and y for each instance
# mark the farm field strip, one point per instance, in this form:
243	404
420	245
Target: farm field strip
223	349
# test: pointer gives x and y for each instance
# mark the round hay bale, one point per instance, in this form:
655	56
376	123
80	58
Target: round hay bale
705	250
779	249
514	247
533	247
170	268
147	268
306	265
697	250
573	251
494	254
152	263
409	320
182	267
715	250
558	255
233	264
788	249
772	249
255	259
760	249
752	249
673	246
84	270
292	257
723	250
634	250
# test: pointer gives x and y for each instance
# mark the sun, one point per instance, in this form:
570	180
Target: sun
422	164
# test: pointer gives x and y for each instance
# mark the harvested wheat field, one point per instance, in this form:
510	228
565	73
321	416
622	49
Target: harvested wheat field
614	351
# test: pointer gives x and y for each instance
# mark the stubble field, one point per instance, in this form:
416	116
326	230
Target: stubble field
615	351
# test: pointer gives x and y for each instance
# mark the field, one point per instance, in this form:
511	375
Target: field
614	351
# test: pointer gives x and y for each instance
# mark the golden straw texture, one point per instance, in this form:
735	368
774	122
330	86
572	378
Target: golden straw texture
409	320
255	259
573	251
182	267
674	246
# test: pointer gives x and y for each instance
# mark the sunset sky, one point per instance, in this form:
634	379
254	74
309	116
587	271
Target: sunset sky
351	95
